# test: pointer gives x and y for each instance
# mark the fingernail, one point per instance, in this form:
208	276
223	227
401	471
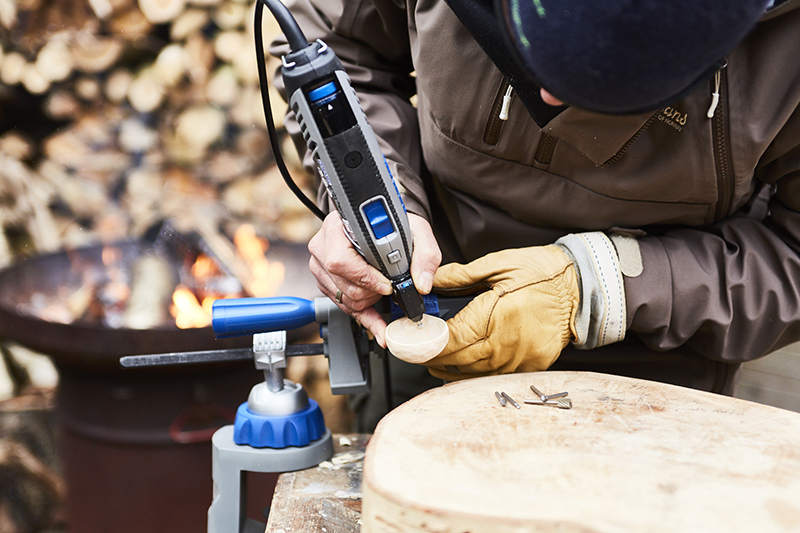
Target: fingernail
385	289
425	282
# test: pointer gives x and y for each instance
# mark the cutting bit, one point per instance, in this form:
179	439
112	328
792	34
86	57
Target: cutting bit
561	403
546	397
502	399
539	393
510	400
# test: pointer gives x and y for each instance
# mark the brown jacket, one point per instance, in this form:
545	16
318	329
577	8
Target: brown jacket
721	279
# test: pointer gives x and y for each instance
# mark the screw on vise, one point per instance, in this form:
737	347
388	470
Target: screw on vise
269	350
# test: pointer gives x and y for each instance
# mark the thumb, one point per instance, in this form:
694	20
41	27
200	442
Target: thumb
480	271
426	256
455	276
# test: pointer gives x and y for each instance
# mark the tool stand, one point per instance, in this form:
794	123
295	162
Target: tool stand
278	429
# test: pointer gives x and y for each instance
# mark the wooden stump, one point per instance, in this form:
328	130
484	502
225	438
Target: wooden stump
629	456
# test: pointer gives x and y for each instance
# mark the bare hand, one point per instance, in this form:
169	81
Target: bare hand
337	266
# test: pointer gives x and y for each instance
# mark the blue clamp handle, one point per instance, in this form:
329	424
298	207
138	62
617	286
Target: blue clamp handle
246	316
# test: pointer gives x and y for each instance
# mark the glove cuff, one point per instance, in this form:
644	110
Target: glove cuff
601	317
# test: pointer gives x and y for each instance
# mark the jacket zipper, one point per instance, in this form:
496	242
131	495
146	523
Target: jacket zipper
491	135
544	153
721	153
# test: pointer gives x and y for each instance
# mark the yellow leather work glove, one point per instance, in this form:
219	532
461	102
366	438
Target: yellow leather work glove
521	324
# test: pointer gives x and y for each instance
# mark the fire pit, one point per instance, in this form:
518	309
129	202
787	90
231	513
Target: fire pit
135	444
89	344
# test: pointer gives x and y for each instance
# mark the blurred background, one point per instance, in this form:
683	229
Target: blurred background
136	186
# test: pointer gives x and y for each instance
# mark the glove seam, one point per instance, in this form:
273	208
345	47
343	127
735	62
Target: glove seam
536	281
565	297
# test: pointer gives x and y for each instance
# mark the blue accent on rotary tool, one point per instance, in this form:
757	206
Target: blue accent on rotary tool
322	91
260	431
431	307
246	316
378	219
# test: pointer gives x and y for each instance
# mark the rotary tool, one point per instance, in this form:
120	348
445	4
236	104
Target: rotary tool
348	157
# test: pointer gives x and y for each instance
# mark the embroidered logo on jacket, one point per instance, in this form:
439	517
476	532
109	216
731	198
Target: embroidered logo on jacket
673	117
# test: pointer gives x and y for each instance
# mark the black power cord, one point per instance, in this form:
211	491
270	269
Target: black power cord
296	41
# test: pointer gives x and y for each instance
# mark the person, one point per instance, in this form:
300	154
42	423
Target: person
624	177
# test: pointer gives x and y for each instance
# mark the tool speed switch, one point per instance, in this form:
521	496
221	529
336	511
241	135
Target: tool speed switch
378	219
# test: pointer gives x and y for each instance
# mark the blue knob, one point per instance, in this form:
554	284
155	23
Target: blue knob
260	431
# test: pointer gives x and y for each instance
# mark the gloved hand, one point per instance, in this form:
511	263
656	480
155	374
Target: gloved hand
521	324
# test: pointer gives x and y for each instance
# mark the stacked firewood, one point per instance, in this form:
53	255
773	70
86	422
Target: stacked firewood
119	113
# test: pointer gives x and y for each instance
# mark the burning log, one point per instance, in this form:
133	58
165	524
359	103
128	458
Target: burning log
222	249
151	291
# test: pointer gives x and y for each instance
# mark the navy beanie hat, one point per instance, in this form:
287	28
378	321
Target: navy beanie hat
624	56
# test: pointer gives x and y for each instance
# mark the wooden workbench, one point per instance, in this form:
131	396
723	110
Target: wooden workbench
326	498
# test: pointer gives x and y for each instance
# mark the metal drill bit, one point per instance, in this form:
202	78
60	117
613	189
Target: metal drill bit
500	397
556	395
510	400
539	393
561	403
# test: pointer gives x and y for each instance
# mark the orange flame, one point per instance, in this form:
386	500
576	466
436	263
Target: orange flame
187	310
204	268
267	277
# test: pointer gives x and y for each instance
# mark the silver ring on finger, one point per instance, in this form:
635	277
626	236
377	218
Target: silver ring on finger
338	296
